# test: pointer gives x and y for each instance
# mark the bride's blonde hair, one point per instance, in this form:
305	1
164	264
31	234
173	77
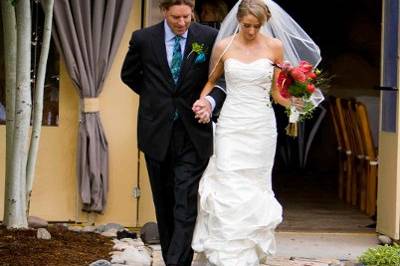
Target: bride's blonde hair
256	8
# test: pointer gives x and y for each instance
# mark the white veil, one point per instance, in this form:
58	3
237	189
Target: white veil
297	45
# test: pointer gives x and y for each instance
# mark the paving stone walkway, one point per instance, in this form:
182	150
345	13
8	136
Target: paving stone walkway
309	249
273	261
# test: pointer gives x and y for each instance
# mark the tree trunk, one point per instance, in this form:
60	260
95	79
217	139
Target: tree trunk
10	57
38	100
17	209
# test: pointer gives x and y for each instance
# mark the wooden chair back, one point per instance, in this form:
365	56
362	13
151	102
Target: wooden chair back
368	141
371	159
356	141
344	120
340	145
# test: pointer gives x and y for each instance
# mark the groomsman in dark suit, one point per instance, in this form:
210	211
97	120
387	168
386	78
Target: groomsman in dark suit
167	66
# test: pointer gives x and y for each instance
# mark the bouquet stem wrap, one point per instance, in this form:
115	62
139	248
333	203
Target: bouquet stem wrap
292	128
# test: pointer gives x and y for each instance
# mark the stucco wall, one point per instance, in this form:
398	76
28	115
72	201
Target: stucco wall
55	195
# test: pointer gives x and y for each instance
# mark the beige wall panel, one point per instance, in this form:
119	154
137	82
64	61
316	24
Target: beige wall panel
54	188
146	206
388	185
54	191
118	114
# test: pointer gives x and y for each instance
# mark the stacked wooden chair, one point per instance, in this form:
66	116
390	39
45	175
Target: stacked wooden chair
346	153
371	159
342	158
358	189
357	179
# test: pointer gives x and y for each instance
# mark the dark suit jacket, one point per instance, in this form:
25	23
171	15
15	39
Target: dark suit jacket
146	71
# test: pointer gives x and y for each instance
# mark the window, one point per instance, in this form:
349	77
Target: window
51	90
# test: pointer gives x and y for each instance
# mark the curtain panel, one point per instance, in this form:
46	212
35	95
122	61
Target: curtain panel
87	34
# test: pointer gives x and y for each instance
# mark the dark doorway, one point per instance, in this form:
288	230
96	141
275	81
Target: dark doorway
348	34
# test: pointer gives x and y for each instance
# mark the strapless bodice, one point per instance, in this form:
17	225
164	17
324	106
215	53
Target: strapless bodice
249	82
248	88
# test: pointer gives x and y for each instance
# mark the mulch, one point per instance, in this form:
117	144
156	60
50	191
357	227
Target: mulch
21	247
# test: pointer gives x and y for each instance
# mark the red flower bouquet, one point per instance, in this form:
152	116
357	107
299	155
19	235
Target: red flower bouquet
300	82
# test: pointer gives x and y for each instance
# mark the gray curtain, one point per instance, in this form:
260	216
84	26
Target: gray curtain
87	34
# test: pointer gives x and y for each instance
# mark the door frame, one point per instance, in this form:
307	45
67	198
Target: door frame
388	200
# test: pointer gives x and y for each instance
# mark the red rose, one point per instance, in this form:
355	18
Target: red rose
281	78
286	66
284	92
311	88
305	67
298	75
283	84
312	75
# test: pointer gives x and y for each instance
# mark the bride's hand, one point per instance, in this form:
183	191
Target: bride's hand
202	110
298	103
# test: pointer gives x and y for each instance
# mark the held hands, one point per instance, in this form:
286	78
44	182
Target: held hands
202	110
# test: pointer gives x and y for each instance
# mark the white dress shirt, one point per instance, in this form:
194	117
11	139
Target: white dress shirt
170	42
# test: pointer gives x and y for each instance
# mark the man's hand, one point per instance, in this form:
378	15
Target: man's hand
202	110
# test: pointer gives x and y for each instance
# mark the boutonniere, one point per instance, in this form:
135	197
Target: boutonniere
200	50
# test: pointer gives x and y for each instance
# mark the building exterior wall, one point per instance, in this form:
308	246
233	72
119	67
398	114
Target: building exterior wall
388	203
54	189
55	195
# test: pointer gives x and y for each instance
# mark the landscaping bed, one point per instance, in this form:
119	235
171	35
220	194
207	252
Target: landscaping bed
21	247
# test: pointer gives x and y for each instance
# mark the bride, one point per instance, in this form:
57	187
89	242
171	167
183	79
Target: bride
238	211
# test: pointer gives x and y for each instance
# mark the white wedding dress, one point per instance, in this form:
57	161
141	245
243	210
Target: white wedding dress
238	211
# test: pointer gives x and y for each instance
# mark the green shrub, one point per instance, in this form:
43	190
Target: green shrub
381	256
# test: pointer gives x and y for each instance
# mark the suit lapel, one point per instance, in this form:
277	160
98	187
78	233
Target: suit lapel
188	58
161	52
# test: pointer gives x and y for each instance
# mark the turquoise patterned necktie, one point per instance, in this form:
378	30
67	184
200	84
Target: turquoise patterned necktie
176	59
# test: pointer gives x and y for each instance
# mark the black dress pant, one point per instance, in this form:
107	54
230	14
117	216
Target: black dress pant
174	183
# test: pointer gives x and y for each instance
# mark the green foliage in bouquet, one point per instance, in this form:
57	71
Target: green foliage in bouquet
308	110
381	256
299	90
324	81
